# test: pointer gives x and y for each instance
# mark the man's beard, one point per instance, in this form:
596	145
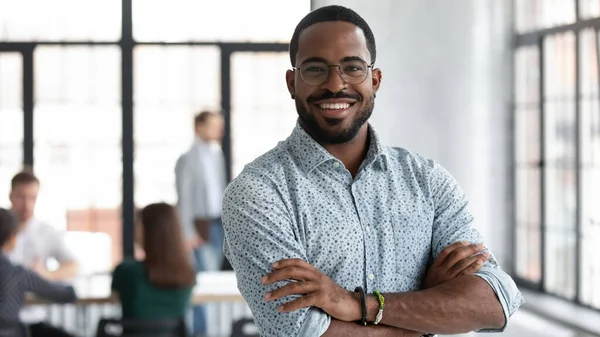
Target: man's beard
311	126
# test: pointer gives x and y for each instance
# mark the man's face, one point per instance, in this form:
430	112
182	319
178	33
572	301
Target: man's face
333	112
23	198
212	130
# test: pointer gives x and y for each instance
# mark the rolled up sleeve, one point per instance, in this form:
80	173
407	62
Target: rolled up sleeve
259	231
453	223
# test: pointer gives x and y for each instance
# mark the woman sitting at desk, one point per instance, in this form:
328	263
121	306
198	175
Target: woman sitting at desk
159	287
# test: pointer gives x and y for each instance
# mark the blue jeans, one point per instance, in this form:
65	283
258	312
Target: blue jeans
208	257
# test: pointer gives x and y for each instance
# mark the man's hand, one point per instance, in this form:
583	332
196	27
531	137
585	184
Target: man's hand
316	288
41	270
455	260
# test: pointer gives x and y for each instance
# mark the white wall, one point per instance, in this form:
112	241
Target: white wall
446	92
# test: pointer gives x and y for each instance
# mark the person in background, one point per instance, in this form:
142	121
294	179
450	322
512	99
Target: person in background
200	176
16	281
37	241
160	285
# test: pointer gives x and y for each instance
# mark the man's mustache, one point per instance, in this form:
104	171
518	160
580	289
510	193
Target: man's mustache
330	95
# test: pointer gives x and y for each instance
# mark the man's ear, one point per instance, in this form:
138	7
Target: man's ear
290	80
376	79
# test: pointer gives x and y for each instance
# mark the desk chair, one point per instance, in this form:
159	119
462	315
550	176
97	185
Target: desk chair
141	328
239	325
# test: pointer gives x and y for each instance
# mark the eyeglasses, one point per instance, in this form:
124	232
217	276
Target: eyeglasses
352	72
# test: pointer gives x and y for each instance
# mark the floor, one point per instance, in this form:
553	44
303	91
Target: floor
525	324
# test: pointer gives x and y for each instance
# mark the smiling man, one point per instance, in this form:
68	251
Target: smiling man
332	233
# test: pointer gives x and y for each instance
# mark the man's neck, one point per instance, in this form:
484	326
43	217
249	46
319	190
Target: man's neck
352	153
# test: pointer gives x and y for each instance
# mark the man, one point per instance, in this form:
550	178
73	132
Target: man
331	209
36	243
200	180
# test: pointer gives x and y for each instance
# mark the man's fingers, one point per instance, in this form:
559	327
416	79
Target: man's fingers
289	273
473	268
299	303
461	253
446	251
465	263
291	262
293	288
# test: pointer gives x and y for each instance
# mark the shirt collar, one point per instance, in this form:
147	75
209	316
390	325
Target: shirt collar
309	154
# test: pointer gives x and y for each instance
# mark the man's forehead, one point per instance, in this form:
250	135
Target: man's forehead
332	41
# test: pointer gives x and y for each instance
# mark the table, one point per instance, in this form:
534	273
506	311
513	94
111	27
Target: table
210	287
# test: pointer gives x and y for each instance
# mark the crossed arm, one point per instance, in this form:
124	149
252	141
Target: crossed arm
257	236
454	300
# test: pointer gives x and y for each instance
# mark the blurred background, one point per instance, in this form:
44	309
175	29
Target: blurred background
99	98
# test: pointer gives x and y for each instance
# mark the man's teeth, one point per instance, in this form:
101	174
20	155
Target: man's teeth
334	106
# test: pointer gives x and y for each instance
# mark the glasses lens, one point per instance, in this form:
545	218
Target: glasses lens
354	72
314	73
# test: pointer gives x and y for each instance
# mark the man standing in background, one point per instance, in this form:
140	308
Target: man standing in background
201	178
37	242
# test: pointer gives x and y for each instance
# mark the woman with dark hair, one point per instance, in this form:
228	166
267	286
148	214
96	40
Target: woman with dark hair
160	285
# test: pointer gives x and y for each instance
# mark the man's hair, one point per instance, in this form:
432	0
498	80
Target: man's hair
203	116
25	177
8	226
328	14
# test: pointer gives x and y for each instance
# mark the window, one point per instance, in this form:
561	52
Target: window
77	135
557	148
267	107
172	84
11	120
60	20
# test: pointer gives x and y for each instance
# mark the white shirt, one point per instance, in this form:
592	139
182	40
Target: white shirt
40	242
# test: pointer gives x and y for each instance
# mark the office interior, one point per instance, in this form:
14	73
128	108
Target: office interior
98	97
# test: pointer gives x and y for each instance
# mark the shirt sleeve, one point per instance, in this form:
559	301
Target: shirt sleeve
259	231
55	292
453	223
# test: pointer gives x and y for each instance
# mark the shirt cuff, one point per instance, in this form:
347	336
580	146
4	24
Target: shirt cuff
315	323
506	290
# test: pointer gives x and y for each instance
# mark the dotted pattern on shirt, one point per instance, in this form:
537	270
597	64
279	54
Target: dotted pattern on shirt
380	230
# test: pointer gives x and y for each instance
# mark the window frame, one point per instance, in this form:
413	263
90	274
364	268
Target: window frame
536	38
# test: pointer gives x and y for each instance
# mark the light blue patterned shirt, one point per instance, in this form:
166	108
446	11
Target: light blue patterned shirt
380	230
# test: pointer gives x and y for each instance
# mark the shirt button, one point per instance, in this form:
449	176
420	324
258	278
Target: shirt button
371	277
336	164
368	229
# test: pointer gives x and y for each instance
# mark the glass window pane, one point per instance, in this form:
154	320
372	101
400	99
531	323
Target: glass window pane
193	20
560	199
527	136
528	211
590	236
559	100
60	20
538	14
589	9
11	120
267	107
172	84
527	76
77	137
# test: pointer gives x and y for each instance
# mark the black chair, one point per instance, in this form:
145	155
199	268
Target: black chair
14	329
141	328
239	325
